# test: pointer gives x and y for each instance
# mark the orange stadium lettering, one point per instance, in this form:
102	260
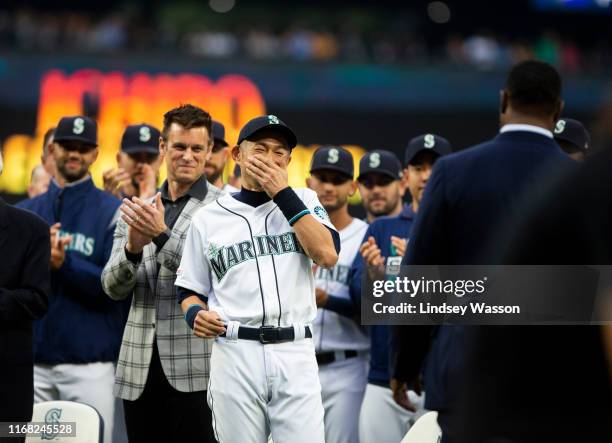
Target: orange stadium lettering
116	100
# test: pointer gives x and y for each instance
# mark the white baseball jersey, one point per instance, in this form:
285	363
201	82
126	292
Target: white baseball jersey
248	262
332	331
229	188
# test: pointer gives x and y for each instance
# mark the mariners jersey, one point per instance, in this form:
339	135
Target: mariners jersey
249	263
332	331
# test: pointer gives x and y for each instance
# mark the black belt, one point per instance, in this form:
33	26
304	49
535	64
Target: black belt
269	334
325	358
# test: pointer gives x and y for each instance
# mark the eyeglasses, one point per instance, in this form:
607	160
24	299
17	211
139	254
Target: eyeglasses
371	180
335	178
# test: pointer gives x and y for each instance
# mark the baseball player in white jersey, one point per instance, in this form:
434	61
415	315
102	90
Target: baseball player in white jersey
341	344
245	279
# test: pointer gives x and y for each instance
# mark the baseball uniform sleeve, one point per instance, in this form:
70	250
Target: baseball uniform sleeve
194	271
316	209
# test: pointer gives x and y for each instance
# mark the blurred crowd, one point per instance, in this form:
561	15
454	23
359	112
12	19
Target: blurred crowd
297	40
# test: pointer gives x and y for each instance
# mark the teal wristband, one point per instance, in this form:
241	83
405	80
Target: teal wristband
297	216
191	314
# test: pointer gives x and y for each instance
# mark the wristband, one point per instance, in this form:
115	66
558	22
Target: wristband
191	314
290	205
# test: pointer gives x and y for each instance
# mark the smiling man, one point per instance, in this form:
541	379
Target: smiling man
161	362
77	341
246	281
380	186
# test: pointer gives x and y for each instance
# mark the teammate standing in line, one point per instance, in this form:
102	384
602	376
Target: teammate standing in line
77	341
163	369
138	164
380	184
341	344
218	158
246	280
381	419
573	138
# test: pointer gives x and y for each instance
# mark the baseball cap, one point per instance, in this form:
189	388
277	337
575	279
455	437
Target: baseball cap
140	138
77	128
218	133
382	162
333	158
574	132
426	142
267	122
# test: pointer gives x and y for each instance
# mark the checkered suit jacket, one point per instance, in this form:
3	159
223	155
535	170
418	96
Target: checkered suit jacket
155	312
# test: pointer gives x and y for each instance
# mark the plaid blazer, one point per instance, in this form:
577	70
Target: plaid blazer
155	312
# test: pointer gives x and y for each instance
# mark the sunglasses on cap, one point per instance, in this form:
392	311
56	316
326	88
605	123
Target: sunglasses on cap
372	180
335	178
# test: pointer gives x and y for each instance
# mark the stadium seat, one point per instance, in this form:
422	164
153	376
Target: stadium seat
89	423
424	430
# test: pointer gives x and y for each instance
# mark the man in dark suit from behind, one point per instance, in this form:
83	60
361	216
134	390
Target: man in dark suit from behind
468	196
24	288
533	384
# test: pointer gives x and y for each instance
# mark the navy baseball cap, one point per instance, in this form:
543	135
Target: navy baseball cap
218	133
77	128
573	132
426	142
140	138
381	162
333	158
271	122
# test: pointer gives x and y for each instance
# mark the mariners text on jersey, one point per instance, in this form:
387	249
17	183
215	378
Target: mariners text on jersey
223	258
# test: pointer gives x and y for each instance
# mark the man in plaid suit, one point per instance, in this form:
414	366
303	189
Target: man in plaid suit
163	369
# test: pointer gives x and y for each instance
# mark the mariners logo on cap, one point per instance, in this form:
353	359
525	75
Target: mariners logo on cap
429	141
560	127
144	134
78	126
333	156
374	160
273	120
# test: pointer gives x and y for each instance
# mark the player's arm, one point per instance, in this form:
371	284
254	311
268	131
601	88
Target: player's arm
193	282
205	323
316	239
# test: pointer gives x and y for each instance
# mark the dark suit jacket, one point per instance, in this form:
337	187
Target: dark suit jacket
24	291
469	195
548	383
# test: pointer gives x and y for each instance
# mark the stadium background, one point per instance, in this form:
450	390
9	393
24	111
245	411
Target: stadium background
360	74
